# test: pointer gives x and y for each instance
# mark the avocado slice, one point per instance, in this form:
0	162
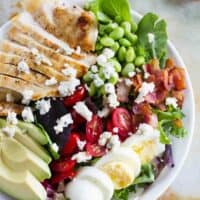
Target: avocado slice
20	185
19	158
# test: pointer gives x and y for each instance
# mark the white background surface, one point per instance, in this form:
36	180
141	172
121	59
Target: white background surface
183	17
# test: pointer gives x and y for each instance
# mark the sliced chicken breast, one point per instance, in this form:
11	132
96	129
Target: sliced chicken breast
6	107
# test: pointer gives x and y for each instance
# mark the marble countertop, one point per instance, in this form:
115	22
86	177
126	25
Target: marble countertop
183	17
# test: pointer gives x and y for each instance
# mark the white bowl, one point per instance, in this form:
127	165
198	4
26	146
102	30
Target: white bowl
180	147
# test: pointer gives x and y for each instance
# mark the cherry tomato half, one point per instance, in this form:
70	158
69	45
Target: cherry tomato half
95	150
71	144
78	95
63	166
57	178
93	129
121	119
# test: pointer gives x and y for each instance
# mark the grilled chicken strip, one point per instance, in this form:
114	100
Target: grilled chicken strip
20	86
6	107
69	23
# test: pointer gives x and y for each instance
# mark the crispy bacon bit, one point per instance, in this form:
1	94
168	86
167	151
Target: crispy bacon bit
142	108
137	82
169	63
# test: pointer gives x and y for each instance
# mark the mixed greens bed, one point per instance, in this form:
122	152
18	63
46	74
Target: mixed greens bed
111	133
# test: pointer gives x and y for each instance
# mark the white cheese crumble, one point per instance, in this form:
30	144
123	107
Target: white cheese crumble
55	147
10	131
101	60
27	114
145	89
108	53
109	88
104	112
23	67
69	71
112	100
62	123
10	97
81	157
81	144
171	101
151	38
67	88
12	118
94	69
83	110
43	106
78	50
114	143
27	96
128	82
115	130
51	81
145	129
104	138
146	73
131	74
97	80
108	70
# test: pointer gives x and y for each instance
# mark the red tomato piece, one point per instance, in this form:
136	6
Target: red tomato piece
63	166
95	150
78	95
78	119
57	178
71	144
121	119
93	129
109	125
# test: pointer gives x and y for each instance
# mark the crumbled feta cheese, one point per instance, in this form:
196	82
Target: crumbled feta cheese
113	143
81	157
115	130
23	67
62	123
55	147
81	144
109	53
27	114
40	58
51	81
67	88
104	138
151	37
112	100
101	60
146	73
97	80
108	70
9	97
109	88
10	131
78	50
144	90
43	106
171	101
94	69
69	71
145	129
83	110
27	96
131	74
128	82
12	118
104	112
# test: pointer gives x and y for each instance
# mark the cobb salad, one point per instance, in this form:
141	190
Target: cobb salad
89	104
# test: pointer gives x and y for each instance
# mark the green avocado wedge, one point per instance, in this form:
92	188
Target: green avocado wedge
20	185
19	158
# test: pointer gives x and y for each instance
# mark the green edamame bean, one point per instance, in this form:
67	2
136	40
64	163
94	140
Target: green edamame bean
115	47
134	27
126	26
107	41
92	89
114	79
130	55
122	54
128	68
101	74
87	77
118	19
103	18
99	46
124	42
131	37
117	65
117	33
101	91
110	27
102	29
140	60
140	51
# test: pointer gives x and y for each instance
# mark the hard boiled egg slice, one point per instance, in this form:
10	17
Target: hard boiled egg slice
79	189
121	165
98	178
147	145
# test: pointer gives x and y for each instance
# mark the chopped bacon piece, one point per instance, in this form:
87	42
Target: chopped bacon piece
137	82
